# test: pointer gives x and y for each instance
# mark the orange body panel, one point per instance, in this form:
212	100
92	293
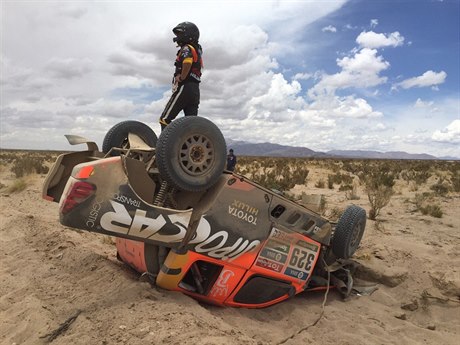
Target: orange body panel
284	257
132	253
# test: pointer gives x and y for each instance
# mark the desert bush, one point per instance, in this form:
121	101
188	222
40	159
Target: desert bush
375	176
352	193
320	184
322	205
17	186
274	173
28	165
440	187
379	182
345	187
419	177
378	197
455	180
422	204
433	210
335	213
420	200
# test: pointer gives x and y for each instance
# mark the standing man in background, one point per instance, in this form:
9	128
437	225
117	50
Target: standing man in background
231	160
187	74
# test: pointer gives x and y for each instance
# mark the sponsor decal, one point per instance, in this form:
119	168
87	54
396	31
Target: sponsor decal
220	288
243	211
281	235
296	273
172	229
307	245
94	213
279	246
127	200
270	265
273	255
295	256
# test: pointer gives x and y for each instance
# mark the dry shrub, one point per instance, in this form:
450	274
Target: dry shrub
379	182
274	173
433	210
423	205
17	186
352	193
335	213
378	197
320	184
28	165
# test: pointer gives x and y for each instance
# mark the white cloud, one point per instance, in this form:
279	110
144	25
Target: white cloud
349	27
302	76
374	23
429	78
422	104
450	134
360	70
370	39
329	28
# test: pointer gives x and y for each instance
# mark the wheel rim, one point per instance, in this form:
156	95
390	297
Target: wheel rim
196	155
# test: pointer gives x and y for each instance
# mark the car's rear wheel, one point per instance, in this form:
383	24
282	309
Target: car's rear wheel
117	136
191	153
349	232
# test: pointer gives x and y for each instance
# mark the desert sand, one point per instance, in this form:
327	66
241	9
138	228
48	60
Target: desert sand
51	275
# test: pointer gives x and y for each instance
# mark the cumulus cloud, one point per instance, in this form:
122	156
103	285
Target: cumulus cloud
371	39
302	76
422	104
374	23
429	78
329	28
359	70
450	134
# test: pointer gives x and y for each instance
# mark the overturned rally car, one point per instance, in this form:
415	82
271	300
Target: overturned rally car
191	226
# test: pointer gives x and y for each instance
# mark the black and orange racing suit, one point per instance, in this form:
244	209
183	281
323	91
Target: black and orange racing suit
186	92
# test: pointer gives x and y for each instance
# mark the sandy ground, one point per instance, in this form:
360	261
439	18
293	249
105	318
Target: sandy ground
50	274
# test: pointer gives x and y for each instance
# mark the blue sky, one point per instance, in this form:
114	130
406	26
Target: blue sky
369	75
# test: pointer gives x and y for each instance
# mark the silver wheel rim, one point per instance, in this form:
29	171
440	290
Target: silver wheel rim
196	155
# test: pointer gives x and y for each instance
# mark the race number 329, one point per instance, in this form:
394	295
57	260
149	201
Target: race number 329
301	259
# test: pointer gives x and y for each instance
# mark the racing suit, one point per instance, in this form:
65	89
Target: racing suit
186	90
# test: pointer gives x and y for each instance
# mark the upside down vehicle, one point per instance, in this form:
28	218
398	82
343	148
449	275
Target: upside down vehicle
179	217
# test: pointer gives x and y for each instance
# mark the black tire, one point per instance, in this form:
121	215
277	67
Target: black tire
191	153
117	136
349	232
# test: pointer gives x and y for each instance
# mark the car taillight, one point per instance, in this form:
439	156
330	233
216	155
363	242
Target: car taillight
79	191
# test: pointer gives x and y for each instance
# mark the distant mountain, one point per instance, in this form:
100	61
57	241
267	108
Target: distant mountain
379	155
244	148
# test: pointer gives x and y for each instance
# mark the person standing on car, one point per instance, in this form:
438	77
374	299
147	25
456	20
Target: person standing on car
187	74
231	160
